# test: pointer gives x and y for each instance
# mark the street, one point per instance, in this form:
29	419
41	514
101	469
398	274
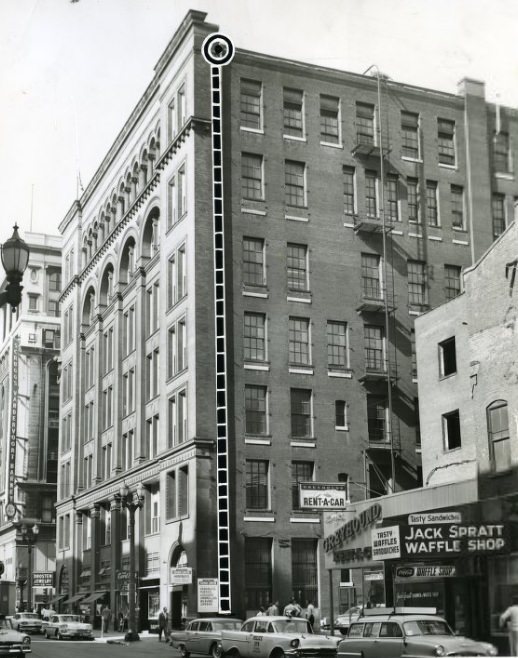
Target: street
42	648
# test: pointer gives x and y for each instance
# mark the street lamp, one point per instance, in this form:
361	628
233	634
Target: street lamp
21	578
15	256
27	536
132	501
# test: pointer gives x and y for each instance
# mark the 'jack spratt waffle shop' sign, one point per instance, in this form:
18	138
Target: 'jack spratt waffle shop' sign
453	539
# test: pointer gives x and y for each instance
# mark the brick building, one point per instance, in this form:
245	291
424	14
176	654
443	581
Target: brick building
29	419
326	270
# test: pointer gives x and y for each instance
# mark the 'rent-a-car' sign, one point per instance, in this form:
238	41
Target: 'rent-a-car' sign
322	495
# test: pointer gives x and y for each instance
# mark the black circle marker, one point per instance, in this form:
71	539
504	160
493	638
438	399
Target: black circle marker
218	49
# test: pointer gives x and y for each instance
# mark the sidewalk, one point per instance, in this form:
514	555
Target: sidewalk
115	636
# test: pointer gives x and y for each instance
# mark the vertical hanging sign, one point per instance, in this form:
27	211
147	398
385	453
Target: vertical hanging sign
218	50
14	420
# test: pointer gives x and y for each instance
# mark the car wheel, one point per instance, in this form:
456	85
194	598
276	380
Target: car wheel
183	652
214	651
278	653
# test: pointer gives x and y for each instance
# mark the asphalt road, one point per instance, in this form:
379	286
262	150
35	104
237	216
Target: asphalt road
42	648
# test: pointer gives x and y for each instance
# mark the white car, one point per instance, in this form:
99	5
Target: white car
11	641
67	626
26	622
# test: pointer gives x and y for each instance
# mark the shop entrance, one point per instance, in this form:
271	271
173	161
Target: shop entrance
465	607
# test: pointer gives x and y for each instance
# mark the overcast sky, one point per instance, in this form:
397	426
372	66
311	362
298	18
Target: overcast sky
71	72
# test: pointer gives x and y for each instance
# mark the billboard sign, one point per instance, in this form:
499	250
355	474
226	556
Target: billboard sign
322	495
385	543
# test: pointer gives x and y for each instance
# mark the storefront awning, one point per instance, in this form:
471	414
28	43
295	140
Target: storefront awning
57	598
75	598
105	571
85	573
94	597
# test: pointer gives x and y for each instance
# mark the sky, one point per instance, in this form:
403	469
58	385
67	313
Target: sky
72	71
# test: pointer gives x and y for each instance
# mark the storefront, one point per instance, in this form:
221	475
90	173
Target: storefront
461	559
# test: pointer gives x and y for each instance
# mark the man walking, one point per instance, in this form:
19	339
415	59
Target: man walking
162	624
106	616
510	617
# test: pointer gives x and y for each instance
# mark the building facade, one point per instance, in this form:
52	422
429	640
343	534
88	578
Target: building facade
326	270
29	425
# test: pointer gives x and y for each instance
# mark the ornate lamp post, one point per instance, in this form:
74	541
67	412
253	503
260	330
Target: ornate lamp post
15	256
132	501
27	536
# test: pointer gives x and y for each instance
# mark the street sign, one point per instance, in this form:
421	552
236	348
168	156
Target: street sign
208	595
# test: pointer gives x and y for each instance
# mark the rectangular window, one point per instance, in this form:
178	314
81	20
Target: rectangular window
252	176
498	214
178	418
300	472
501	153
337	356
253	262
293	112
304	570
33	302
152	308
371	276
250	104
299	341
182	192
452	286
374	348
300	404
349	191
329	119
254	338
410	135
170	495
258	572
171	120
340	414
417	283
391	201
432	210
182	109
255	410
295	183
377	418
447	357
152	437
172	203
371	193
257	486
183	492
129	330
457	206
364	123
108	407
414	202
451	430
446	139
297	267
127	450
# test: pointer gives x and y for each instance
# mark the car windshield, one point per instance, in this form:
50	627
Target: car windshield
227	625
292	626
29	615
69	618
427	627
4	623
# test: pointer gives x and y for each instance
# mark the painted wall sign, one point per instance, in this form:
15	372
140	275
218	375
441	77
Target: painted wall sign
181	576
453	539
353	528
434	517
322	495
14	419
416	572
385	543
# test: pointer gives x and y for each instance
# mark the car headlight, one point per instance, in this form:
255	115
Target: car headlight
492	651
295	643
64	627
26	640
89	627
440	650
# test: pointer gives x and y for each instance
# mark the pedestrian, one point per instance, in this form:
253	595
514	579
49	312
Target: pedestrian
162	624
310	613
106	614
121	621
273	609
293	609
509	618
261	612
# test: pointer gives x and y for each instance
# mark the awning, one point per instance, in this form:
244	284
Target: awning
93	597
57	598
85	573
75	598
105	571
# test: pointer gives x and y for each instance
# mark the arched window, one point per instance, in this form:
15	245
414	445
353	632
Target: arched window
106	291
127	263
498	435
89	307
151	236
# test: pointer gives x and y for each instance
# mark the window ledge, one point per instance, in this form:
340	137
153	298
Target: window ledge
304	519
268	519
257	131
296	218
344	374
459	229
504	175
443	165
303	300
465	243
448	376
407	158
253	211
301	370
256	366
435	238
332	145
258	441
294	138
251	293
303	444
344	428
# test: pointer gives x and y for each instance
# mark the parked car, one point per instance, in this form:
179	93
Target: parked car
343	621
67	626
27	622
275	637
404	635
11	640
202	636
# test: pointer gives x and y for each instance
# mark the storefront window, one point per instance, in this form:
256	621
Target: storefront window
153	604
503	585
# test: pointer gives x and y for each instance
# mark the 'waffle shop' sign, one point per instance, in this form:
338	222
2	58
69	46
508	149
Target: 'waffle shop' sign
450	539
